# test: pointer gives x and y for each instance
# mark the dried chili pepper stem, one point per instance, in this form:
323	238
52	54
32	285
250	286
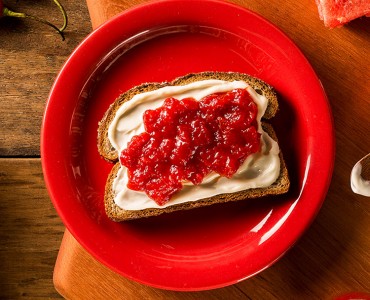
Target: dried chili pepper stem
64	14
6	12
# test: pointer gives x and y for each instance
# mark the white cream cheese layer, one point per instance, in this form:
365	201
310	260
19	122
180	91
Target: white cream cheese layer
358	184
258	170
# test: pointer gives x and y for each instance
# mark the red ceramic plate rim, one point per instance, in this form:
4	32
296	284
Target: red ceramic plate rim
79	67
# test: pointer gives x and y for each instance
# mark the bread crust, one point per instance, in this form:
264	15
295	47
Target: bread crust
115	213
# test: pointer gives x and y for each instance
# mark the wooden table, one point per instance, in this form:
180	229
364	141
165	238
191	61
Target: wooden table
332	258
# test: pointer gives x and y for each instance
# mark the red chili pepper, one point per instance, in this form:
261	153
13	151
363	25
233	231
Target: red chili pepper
6	12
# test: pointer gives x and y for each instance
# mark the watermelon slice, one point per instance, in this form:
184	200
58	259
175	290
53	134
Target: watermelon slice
335	13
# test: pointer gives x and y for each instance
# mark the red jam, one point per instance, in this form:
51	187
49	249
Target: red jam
184	140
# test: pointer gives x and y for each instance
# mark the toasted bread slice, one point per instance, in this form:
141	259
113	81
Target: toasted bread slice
115	213
108	152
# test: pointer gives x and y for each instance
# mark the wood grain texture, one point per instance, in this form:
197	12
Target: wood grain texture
30	232
31	55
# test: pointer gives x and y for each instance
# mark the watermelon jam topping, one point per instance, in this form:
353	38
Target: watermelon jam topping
185	140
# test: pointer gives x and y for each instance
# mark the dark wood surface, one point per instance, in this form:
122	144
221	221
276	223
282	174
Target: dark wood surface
331	259
31	54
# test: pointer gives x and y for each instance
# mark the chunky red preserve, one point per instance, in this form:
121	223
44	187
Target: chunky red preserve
184	140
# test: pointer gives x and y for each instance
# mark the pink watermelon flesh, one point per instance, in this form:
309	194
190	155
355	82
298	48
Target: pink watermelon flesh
335	13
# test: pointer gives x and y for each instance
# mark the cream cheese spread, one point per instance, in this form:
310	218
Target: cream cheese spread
259	170
358	184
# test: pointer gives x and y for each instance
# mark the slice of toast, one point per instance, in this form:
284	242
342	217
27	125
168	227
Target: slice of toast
116	213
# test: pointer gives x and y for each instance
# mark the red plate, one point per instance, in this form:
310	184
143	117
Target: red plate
204	248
